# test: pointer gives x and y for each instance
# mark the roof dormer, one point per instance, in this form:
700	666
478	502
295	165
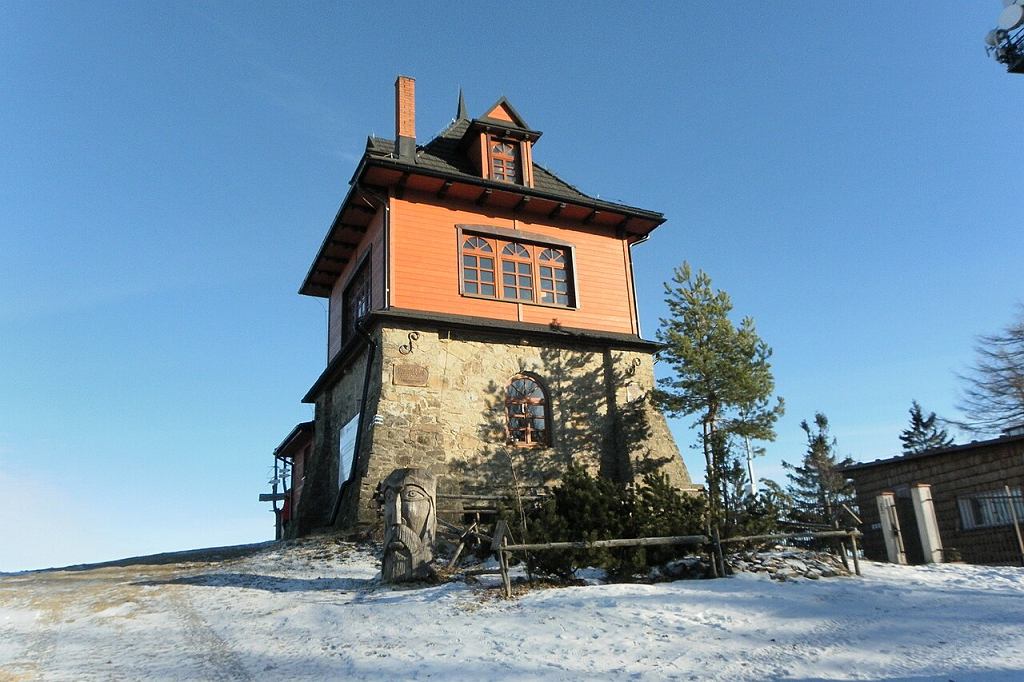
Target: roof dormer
500	144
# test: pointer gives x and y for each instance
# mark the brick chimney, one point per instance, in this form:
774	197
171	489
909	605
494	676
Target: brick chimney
405	118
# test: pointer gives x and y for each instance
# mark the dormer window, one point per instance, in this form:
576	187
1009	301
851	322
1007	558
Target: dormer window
504	160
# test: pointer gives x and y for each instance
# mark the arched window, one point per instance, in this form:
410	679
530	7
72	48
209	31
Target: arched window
505	160
516	273
554	282
478	267
526	405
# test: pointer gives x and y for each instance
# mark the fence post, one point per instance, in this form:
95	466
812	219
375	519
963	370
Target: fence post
505	579
719	555
842	546
853	543
1016	522
498	544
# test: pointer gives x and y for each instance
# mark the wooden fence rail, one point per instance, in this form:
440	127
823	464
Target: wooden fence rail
501	546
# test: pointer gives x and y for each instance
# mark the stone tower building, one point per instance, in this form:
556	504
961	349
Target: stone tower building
482	324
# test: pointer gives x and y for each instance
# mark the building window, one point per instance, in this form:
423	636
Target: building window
990	508
526	406
530	273
554	282
516	273
504	160
355	301
478	267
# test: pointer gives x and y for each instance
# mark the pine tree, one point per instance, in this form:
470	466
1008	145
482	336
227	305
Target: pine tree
720	374
818	488
923	434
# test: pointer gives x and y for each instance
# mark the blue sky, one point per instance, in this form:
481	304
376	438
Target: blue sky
167	171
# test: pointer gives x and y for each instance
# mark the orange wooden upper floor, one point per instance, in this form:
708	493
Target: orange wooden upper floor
470	225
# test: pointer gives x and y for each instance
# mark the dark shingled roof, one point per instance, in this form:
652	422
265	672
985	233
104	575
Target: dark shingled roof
446	154
935	451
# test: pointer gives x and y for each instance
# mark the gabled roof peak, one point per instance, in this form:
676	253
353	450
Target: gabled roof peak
503	111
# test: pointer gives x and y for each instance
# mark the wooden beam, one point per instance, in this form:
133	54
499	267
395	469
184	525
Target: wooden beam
622	542
484	197
332	259
590	218
344	244
355	228
444	189
362	209
329	273
556	211
521	205
400	188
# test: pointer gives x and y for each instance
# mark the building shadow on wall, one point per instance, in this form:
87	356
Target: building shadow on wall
596	420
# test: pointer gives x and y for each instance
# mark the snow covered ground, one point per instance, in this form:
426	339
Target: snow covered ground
315	610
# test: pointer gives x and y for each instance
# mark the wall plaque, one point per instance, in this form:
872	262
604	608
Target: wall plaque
408	374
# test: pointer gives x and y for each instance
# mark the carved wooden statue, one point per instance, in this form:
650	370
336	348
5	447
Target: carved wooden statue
410	523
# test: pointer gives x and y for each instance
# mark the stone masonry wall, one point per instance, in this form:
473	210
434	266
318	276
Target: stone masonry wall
441	407
334	408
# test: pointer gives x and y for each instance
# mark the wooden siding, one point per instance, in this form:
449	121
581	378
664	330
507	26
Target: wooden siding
425	256
373	239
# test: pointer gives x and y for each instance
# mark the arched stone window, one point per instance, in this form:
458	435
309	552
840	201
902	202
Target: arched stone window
527	409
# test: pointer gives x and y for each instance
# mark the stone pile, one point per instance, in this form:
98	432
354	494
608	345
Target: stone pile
687	568
788	563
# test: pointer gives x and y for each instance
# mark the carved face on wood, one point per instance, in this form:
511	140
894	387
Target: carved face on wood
410	523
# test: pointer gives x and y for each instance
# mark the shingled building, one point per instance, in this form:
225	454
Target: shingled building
483	323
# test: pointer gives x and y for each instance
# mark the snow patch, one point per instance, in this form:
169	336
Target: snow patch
317	610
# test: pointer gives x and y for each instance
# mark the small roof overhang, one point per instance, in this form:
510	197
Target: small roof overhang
296	439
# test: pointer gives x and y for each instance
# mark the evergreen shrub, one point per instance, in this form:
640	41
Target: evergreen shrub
587	508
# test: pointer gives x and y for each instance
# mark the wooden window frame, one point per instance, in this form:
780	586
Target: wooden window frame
361	276
535	244
510	402
516	158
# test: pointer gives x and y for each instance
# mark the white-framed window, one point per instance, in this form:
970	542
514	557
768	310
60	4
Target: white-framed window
990	508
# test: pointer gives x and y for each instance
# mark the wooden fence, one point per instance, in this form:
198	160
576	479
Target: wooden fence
500	545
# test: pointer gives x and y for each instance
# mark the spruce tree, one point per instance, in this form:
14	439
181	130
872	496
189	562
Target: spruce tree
720	373
818	487
923	434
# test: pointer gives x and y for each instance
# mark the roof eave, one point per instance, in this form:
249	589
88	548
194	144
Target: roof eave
307	284
1002	440
587	202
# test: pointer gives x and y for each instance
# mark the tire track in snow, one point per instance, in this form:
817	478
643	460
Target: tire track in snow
214	654
42	641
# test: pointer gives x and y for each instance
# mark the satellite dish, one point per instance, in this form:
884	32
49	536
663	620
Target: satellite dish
1011	17
992	38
